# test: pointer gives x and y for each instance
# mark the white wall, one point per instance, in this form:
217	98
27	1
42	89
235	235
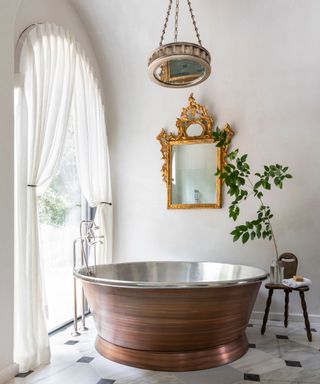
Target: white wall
265	83
7	17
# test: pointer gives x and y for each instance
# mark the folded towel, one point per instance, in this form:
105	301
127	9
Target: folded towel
297	284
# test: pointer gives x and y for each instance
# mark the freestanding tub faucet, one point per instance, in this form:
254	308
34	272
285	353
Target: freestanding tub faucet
88	238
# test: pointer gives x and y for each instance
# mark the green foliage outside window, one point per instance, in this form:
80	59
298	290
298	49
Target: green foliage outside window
52	208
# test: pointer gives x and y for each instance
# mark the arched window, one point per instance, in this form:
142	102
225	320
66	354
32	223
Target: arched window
57	101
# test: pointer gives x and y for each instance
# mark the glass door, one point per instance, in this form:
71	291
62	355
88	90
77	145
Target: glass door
61	209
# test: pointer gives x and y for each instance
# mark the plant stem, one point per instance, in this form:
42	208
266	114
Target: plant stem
274	240
273	236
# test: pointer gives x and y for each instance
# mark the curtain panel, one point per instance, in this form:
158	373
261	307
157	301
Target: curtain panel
92	154
54	79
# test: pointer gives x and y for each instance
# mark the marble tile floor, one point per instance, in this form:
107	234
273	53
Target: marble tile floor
281	356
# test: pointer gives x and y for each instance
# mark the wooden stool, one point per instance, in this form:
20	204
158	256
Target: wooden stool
290	263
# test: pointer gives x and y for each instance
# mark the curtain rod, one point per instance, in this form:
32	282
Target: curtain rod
27	28
19	43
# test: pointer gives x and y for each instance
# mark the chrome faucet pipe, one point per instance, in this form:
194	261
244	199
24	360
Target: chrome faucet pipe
75	306
83	300
87	239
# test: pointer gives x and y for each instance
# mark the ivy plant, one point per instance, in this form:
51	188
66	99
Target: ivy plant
242	184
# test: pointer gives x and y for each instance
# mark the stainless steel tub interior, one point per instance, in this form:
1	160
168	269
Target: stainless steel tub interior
171	274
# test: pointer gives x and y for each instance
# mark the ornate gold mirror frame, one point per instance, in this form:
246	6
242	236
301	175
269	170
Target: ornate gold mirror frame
197	114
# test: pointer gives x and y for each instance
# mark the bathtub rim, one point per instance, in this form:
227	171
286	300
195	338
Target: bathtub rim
170	285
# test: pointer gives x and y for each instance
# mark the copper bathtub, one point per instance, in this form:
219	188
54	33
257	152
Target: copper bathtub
171	316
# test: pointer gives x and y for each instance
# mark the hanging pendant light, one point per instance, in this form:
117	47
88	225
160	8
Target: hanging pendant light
179	64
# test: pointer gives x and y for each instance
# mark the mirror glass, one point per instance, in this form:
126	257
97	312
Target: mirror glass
179	72
193	177
194	130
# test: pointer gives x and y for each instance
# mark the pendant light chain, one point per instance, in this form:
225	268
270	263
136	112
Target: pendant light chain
176	22
165	23
194	22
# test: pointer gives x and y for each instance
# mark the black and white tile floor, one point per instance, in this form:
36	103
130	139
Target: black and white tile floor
281	356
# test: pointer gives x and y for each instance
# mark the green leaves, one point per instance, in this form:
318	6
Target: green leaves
221	138
234	211
236	174
232	155
245	237
258	228
275	172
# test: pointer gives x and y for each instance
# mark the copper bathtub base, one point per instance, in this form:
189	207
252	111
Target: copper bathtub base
174	361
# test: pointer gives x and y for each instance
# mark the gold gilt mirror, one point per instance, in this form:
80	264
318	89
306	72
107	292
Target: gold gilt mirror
191	159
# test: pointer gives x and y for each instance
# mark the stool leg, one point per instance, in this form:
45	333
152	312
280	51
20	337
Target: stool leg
286	307
305	314
266	312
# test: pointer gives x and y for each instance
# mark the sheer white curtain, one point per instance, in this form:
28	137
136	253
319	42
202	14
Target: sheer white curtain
92	154
43	102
